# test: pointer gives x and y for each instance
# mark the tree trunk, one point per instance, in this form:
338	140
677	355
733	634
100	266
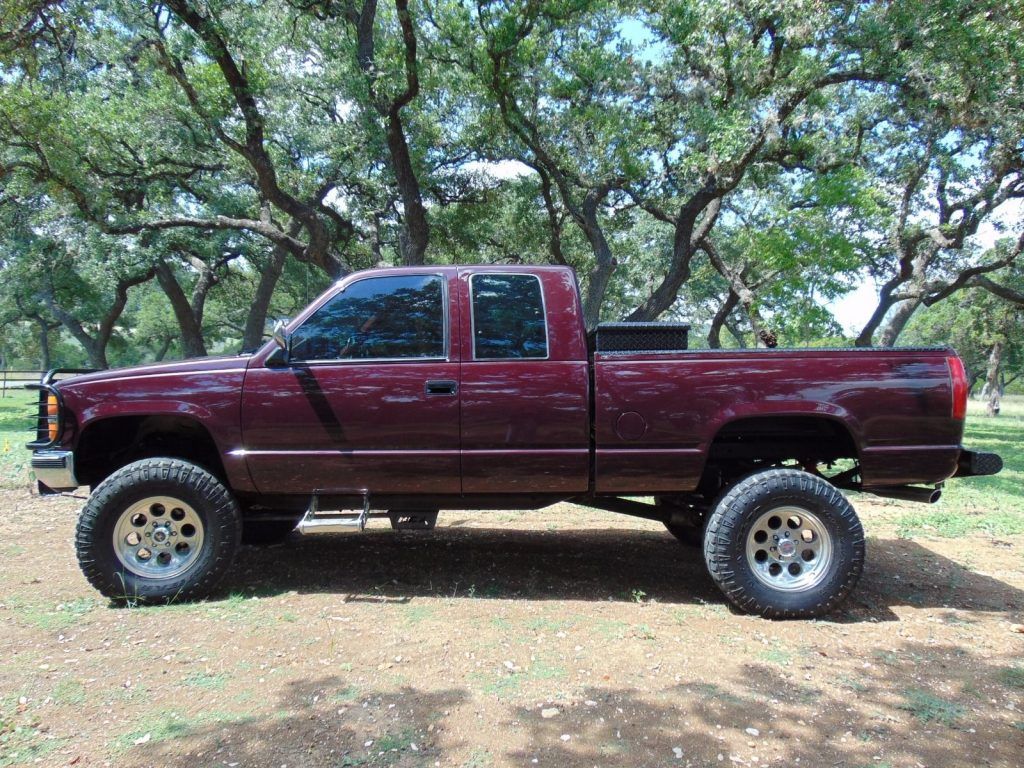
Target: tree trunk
165	345
256	321
604	262
867	333
95	349
992	379
415	226
718	322
972	383
192	342
686	237
898	321
736	333
44	344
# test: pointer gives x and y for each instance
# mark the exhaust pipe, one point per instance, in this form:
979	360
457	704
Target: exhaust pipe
908	493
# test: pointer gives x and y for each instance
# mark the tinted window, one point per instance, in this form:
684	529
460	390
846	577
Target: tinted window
380	317
508	317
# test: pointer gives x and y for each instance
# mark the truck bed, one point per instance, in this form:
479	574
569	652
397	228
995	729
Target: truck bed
660	418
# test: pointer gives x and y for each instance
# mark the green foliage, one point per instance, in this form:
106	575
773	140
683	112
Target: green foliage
815	143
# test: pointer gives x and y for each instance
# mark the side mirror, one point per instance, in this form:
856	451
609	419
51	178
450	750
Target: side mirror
279	335
279	357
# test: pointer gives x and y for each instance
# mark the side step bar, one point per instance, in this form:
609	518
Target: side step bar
315	521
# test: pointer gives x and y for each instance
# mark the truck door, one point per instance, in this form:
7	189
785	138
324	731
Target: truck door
369	399
525	382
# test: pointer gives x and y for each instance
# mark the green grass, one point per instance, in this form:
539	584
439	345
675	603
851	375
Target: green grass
507	684
993	505
398	742
161	726
21	740
205	680
17	412
1012	677
929	708
50	617
17	419
23	746
70	692
344	695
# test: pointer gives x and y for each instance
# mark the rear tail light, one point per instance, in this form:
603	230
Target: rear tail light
958	382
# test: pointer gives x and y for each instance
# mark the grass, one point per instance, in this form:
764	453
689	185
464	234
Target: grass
929	708
1012	677
414	613
23	746
399	742
16	422
345	695
205	681
21	740
507	684
69	692
52	619
161	726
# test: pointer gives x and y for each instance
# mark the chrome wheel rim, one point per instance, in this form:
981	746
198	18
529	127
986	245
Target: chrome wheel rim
789	548
159	537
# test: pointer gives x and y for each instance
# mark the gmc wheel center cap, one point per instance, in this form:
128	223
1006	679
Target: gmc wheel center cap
787	548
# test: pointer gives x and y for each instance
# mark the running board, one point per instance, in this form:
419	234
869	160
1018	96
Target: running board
315	521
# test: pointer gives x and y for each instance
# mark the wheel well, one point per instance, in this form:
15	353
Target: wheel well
106	446
746	444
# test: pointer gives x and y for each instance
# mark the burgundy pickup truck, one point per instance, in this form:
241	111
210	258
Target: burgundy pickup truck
400	392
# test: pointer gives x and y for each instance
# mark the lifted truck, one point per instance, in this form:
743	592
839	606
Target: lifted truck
417	389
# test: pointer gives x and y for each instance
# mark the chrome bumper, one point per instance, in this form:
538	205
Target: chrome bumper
55	471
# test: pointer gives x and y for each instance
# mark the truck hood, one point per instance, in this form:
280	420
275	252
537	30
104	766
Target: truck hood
197	365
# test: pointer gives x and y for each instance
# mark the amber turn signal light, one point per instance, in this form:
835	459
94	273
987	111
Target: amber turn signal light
52	408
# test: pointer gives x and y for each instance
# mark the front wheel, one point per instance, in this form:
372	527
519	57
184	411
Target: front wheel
784	544
158	530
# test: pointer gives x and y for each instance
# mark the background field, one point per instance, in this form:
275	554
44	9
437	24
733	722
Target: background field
565	636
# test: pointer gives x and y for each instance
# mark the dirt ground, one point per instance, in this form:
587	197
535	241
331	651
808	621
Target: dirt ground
564	637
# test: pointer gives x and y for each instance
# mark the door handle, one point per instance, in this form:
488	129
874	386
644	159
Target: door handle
441	387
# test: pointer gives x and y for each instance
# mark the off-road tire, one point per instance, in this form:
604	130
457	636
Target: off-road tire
738	509
133	483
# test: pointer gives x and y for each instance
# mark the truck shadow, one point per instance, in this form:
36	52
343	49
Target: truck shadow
591	564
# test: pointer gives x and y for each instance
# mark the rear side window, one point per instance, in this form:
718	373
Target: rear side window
508	317
379	318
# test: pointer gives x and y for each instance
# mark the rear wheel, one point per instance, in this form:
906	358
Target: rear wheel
784	544
157	530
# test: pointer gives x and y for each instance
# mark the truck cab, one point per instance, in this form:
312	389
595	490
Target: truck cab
442	381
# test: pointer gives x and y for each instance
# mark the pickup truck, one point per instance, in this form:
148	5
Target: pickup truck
401	392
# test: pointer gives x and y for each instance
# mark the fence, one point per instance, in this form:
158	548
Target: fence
17	379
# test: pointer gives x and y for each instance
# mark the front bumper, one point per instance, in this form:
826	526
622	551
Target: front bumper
55	471
975	463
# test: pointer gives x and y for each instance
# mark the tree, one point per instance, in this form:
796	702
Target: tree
984	328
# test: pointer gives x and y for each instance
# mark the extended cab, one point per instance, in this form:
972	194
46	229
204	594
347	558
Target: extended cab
403	391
